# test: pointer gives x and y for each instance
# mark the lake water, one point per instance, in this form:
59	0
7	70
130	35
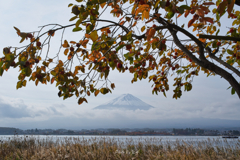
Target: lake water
128	140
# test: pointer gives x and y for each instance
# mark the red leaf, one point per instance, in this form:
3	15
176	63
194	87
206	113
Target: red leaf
200	12
208	19
208	3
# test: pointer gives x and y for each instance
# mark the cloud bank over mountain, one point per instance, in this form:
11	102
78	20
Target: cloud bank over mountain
15	113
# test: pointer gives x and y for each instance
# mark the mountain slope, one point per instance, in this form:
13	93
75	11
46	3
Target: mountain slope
125	101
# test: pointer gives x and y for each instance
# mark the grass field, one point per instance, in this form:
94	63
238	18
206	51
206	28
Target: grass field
27	148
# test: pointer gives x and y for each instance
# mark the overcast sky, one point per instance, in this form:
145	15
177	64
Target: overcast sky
40	107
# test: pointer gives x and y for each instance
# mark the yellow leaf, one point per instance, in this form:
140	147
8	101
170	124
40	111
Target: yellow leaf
94	36
143	28
24	83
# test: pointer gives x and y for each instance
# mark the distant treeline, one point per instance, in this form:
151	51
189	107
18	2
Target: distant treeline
9	131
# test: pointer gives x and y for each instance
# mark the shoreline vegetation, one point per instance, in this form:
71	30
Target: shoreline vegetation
102	148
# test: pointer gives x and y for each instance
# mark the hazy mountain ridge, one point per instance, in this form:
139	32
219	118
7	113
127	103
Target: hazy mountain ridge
125	101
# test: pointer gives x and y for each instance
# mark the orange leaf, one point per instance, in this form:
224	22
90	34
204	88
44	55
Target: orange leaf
121	23
84	43
179	15
103	4
101	58
186	13
52	80
65	44
70	56
66	51
191	22
96	92
87	35
73	42
134	24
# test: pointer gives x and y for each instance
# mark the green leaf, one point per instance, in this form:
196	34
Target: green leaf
230	52
1	63
106	74
70	5
217	32
233	91
185	7
73	18
104	90
1	71
9	57
78	22
77	29
53	73
170	15
119	47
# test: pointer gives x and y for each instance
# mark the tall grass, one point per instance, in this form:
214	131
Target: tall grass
27	148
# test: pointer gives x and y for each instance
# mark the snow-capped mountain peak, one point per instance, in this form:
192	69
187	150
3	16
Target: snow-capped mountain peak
125	101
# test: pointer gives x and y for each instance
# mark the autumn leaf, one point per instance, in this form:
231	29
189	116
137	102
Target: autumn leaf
150	34
66	51
200	12
230	7
52	80
94	36
81	100
208	19
112	85
96	92
221	7
191	22
208	3
65	44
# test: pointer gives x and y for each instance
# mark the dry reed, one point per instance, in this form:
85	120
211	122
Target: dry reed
103	148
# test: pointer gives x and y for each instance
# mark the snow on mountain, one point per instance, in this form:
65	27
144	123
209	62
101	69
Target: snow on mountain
125	101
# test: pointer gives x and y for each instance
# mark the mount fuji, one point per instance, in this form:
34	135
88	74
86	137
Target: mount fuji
127	102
